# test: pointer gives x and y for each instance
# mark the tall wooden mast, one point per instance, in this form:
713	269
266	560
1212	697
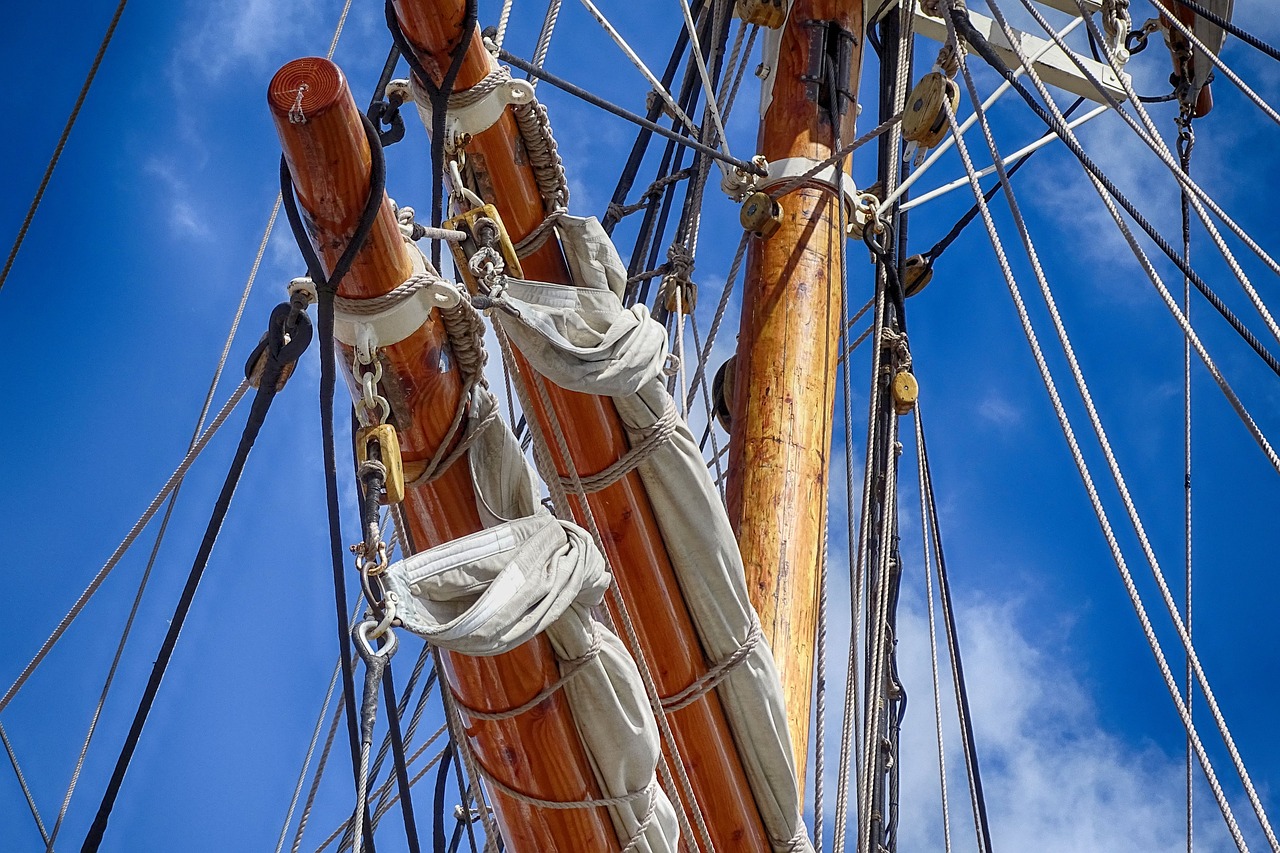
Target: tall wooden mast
329	159
596	439
788	348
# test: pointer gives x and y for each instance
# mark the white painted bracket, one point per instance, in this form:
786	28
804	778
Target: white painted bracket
398	321
787	169
479	116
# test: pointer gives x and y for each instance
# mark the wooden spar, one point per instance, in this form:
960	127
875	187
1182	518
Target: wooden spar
784	385
643	572
539	752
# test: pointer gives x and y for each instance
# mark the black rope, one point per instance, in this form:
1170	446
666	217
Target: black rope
401	766
1244	35
442	779
957	666
326	287
439	96
963	222
288	321
610	107
62	143
969	33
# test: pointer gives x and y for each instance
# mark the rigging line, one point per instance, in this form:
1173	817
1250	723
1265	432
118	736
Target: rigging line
933	632
1153	140
635	59
721	308
1186	141
1222	66
999	92
311	748
1121	486
706	399
985	51
708	87
597	101
504	18
315	780
130	537
22	781
398	757
638	149
1242	34
292	320
544	37
326	288
963	713
62	142
1095	501
963	222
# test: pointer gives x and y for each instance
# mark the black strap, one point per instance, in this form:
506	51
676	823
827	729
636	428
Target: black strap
287	320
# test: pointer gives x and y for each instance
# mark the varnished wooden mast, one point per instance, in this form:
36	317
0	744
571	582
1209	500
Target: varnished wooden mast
538	752
785	380
643	571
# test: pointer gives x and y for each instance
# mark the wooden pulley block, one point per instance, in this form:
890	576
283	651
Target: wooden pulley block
688	291
916	273
384	437
474	223
761	215
925	121
905	392
766	13
722	393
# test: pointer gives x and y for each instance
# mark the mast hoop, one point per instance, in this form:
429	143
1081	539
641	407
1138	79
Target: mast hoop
389	319
786	170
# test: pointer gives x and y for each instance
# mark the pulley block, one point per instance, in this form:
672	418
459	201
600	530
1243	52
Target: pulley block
380	442
916	274
925	120
761	215
766	13
905	391
722	393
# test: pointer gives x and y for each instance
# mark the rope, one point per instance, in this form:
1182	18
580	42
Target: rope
1053	121
293	321
933	631
707	682
174	479
1186	141
649	442
570	668
306	762
62	142
22	781
1242	34
1087	479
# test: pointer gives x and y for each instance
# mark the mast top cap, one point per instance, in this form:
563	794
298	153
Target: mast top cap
306	88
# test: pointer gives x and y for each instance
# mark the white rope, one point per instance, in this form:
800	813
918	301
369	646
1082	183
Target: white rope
544	37
1078	457
174	479
1150	136
1216	60
503	19
925	527
1170	605
644	69
946	144
712	107
306	762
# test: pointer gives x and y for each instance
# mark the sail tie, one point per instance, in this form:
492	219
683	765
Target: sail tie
651	440
707	682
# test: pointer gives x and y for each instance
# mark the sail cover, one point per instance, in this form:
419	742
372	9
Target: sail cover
584	339
525	573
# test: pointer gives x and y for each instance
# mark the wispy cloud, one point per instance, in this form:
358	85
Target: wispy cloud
183	216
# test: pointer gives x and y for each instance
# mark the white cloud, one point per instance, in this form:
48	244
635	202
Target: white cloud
999	410
183	217
1055	780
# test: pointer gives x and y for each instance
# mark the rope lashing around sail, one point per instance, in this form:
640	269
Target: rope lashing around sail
650	441
570	667
707	682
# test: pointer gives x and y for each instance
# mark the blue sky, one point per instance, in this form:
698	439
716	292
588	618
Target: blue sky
114	317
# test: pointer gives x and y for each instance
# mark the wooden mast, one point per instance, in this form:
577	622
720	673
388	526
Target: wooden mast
539	752
643	572
788	348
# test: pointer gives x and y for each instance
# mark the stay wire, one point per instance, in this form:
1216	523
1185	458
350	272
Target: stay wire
1186	142
1242	34
984	49
964	221
22	782
398	756
326	288
62	142
292	321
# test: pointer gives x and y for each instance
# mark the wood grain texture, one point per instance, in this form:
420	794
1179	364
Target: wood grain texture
538	752
643	572
784	386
